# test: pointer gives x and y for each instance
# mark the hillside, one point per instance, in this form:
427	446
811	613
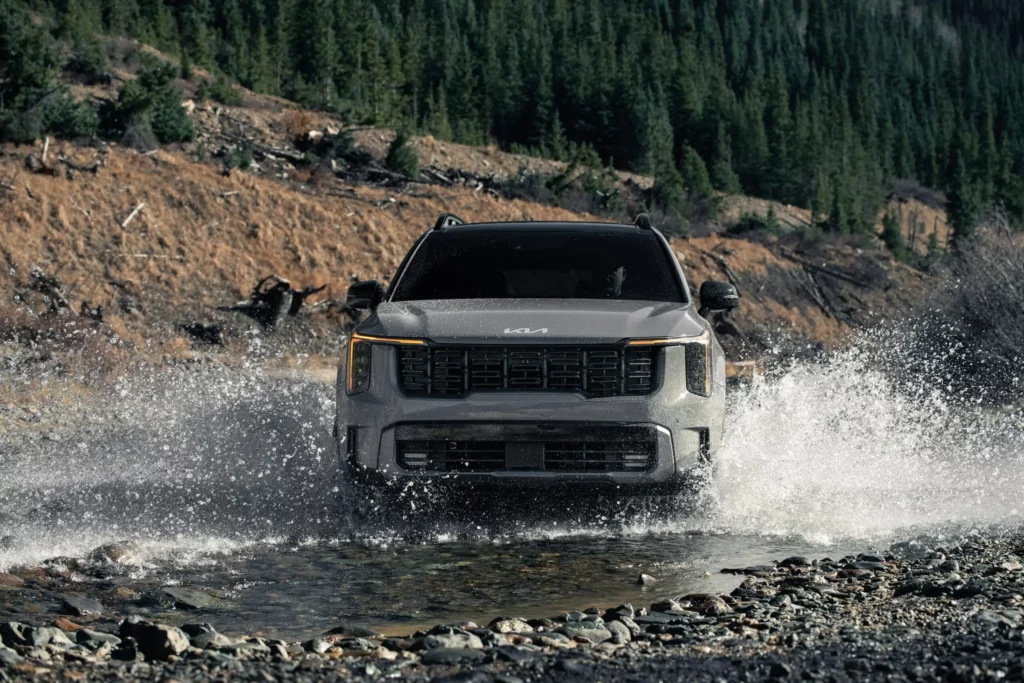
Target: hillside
203	239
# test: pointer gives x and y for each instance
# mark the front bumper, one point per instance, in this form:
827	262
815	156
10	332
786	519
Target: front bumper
680	428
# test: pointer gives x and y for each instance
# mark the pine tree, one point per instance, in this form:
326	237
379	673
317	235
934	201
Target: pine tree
963	199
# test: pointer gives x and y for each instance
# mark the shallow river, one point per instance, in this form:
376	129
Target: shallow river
225	481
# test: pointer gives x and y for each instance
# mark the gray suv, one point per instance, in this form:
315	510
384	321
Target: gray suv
534	355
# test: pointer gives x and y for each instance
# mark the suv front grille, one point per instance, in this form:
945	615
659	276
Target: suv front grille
458	370
557	456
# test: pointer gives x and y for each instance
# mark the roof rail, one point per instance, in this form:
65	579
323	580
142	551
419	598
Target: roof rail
446	220
643	221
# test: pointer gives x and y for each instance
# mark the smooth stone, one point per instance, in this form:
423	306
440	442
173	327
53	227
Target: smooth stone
866	557
662	618
512	625
81	607
186	598
452	641
633	627
795	561
445	655
593	634
9	657
617	628
155	641
86	635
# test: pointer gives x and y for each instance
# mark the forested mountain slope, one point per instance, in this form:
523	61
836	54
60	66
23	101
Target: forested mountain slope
817	103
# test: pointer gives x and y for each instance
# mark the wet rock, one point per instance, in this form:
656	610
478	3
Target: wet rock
759	570
646	580
708	604
633	627
184	598
155	641
352	631
317	645
113	553
617	628
451	640
865	557
866	564
11	581
575	616
780	670
9	658
213	641
89	637
795	561
444	655
592	632
546	624
625	610
506	625
81	607
519	655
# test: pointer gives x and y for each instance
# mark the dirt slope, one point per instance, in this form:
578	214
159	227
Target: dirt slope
203	239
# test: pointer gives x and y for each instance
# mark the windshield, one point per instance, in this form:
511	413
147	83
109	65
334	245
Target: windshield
534	264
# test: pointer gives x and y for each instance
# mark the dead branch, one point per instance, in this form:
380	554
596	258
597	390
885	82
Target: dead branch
132	215
825	270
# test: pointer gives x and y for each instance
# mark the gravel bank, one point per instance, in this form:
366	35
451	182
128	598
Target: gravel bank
913	613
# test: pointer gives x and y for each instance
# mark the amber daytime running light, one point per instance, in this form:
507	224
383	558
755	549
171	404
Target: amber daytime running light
360	349
698	359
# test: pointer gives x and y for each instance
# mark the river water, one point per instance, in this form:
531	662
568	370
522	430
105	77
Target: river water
225	480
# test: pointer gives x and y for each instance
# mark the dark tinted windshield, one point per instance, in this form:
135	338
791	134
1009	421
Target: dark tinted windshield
534	264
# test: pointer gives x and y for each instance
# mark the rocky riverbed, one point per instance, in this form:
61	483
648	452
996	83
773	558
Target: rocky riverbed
913	612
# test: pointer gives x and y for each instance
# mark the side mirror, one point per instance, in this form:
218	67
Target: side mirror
365	295
717	296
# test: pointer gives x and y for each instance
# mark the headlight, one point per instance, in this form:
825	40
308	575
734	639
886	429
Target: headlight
698	359
698	366
360	351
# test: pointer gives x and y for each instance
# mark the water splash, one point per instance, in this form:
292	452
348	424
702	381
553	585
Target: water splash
841	450
184	458
206	459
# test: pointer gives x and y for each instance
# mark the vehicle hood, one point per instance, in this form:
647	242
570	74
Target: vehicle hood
532	320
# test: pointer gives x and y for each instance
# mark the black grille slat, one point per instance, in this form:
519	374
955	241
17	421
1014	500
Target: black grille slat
639	371
633	455
599	456
604	373
414	369
565	369
486	368
526	369
448	371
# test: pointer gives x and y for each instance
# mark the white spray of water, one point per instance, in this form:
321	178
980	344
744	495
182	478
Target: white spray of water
837	451
209	460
